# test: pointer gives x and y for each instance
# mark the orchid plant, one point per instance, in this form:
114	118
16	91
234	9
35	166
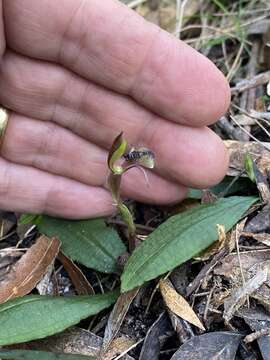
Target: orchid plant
121	159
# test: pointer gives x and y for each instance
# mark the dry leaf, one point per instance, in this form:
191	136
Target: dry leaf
237	151
177	304
262	237
72	341
117	347
252	263
229	266
218	345
29	270
151	344
78	279
238	297
7	259
46	285
116	318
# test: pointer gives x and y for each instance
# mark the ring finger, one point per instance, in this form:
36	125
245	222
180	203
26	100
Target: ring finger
51	148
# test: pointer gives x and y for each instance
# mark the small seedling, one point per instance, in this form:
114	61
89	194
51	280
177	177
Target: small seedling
120	160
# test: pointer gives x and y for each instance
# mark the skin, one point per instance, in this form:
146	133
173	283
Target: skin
76	73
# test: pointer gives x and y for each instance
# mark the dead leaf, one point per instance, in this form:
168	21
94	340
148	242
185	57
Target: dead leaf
78	279
116	318
151	345
182	327
237	151
167	13
29	270
264	238
252	262
177	304
7	259
221	345
262	183
261	222
46	285
72	341
238	297
117	347
258	320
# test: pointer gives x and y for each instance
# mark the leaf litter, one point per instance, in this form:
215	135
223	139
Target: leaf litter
221	298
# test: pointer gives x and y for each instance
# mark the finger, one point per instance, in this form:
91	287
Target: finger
53	149
46	91
25	189
109	44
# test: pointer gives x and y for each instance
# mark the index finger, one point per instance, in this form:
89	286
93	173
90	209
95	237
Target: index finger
107	43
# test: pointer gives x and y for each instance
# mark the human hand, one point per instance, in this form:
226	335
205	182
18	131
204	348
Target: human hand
76	73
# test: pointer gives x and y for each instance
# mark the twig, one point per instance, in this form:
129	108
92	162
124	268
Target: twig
237	235
256	335
227	188
151	299
209	297
205	271
135	3
232	132
179	16
260	79
248	97
210	27
236	62
253	137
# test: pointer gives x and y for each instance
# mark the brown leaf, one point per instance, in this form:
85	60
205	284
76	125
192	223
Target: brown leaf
238	297
78	279
237	151
117	347
116	318
177	304
252	263
230	267
7	259
72	341
29	270
262	237
47	285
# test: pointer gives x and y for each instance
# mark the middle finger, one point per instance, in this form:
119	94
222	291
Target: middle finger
49	92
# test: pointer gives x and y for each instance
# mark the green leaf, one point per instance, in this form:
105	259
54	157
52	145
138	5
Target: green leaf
29	218
89	242
248	162
40	355
228	184
35	317
180	238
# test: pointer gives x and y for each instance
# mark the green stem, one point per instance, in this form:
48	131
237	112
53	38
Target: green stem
114	184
